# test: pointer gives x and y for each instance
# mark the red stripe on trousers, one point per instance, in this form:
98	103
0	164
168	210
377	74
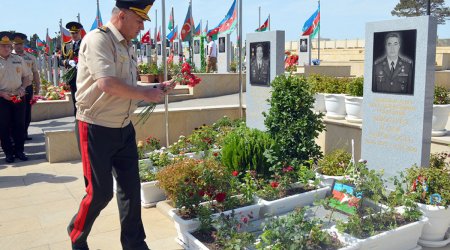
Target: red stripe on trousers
86	202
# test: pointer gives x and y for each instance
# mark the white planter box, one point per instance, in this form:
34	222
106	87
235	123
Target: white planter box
328	180
289	203
194	243
335	105
437	224
440	118
319	102
401	238
354	109
151	194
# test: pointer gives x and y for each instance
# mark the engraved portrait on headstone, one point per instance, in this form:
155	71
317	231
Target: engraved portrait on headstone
303	45
159	49
167	52
394	56
196	46
221	44
260	63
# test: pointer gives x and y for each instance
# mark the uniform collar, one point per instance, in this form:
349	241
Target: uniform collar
395	62
117	35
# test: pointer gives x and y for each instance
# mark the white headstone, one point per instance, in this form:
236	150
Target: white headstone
197	59
261	72
304	51
177	50
158	53
398	104
223	53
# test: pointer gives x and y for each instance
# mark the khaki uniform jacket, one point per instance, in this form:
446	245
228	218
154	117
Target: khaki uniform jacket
12	71
31	63
104	52
399	81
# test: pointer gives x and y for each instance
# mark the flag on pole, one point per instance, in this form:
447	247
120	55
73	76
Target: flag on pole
158	36
205	31
50	47
173	34
40	45
171	21
98	20
228	24
146	38
187	26
265	26
312	25
29	50
198	31
65	35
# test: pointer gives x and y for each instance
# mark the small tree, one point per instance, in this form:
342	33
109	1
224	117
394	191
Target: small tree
408	8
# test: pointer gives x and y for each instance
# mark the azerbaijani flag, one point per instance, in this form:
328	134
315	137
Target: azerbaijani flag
173	34
40	45
187	26
65	35
98	20
205	31
30	50
171	21
50	47
265	25
312	25
198	31
228	24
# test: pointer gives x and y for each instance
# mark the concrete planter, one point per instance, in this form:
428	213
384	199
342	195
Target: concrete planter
289	203
354	109
335	105
435	229
147	78
440	118
319	102
151	194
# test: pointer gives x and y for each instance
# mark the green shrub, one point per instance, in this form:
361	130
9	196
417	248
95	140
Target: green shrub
355	87
441	96
317	83
243	149
335	85
291	121
335	163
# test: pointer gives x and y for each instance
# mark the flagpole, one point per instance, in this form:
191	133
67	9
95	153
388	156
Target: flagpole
191	47
164	63
78	17
241	113
269	22
318	42
259	16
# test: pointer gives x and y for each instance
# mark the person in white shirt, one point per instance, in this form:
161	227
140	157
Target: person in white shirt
212	56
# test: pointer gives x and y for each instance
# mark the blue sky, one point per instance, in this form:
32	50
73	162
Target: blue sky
340	19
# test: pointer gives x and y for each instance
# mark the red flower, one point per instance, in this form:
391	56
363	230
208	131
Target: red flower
186	68
244	219
274	184
201	193
220	197
16	99
288	169
235	173
33	100
216	154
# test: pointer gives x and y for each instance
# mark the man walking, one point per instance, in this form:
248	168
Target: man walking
212	56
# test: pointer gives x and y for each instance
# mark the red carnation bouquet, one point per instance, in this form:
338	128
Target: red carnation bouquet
185	77
16	99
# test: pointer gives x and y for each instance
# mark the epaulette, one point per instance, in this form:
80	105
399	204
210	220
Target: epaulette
381	59
103	29
407	60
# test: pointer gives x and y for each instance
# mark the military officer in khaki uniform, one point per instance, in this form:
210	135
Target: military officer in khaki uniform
259	68
14	78
18	46
106	99
393	73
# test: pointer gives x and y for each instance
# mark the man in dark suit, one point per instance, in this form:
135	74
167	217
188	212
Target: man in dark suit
393	73
69	57
259	68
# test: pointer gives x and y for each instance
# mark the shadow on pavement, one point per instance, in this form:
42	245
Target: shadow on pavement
32	178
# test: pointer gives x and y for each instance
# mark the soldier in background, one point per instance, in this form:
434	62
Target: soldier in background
70	56
14	78
18	46
393	73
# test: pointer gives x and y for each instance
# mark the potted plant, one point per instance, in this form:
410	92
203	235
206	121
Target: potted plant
318	86
354	100
335	98
150	191
144	73
430	188
296	231
441	110
333	166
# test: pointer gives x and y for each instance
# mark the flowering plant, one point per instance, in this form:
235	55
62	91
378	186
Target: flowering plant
16	99
149	144
290	62
184	78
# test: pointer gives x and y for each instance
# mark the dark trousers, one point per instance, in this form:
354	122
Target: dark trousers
28	97
12	124
106	152
73	90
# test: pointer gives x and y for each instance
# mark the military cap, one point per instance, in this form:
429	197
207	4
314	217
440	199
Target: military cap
19	38
74	26
5	37
140	7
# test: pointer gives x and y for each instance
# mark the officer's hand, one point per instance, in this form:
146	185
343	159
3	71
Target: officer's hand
167	86
154	94
72	63
21	92
5	96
